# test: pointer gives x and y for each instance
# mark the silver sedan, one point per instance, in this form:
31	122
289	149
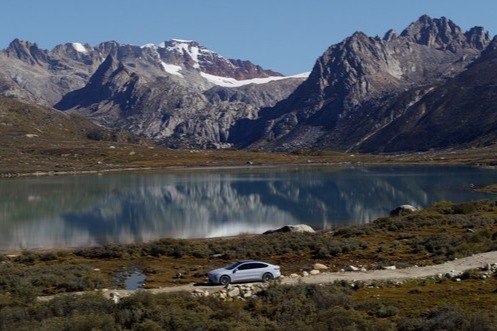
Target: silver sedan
244	271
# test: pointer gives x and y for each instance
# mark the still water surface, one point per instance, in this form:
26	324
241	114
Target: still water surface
85	210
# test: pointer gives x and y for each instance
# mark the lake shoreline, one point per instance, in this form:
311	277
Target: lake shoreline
120	159
230	167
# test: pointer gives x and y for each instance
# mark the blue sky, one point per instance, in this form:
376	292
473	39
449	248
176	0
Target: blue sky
283	35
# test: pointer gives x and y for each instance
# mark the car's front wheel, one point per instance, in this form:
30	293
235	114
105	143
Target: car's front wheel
267	277
224	280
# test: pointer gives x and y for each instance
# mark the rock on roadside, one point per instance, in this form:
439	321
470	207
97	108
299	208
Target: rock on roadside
292	228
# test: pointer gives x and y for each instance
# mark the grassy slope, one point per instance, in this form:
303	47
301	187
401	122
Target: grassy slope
37	139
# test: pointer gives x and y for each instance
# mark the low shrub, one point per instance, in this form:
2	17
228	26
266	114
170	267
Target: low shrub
111	251
465	208
449	318
302	307
47	279
383	311
442	204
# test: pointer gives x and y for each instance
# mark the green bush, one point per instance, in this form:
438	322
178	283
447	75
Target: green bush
385	311
87	304
48	279
465	208
111	251
302	307
442	204
449	318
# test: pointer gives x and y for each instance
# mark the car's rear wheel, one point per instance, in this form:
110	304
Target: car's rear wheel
267	277
224	280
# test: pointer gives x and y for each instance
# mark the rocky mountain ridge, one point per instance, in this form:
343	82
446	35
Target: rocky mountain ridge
366	94
364	85
178	93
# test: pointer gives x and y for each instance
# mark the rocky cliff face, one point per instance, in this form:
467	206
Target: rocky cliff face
35	75
460	112
363	85
178	93
184	102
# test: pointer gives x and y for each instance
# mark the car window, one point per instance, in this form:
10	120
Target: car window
259	265
244	266
247	266
233	266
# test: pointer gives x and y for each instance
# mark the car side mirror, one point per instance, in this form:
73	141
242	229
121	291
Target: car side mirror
234	271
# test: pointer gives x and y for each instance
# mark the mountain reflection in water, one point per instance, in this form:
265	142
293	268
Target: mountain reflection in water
85	210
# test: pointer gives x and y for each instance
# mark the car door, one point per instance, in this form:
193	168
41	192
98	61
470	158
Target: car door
256	271
241	273
250	271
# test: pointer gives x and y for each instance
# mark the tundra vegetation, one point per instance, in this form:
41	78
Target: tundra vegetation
442	232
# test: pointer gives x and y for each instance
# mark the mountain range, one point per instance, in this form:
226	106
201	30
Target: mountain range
177	93
432	86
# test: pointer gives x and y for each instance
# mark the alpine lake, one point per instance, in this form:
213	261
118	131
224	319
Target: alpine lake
88	210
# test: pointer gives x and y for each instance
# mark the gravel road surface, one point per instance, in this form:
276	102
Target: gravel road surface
458	265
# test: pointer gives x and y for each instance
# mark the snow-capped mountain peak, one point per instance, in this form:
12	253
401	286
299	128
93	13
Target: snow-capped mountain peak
78	47
179	54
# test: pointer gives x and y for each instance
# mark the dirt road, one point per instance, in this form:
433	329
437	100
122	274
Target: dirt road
459	265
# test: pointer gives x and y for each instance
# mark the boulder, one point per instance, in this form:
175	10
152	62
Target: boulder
247	295
491	267
115	296
200	293
404	209
234	292
314	272
453	274
352	268
292	228
320	266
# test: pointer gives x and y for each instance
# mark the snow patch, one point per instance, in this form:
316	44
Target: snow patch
301	75
231	82
171	69
80	48
148	46
183	41
186	47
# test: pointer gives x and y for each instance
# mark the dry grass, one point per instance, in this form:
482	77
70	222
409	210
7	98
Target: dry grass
419	297
44	141
41	156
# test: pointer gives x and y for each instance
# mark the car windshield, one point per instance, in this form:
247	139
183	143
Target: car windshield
233	266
